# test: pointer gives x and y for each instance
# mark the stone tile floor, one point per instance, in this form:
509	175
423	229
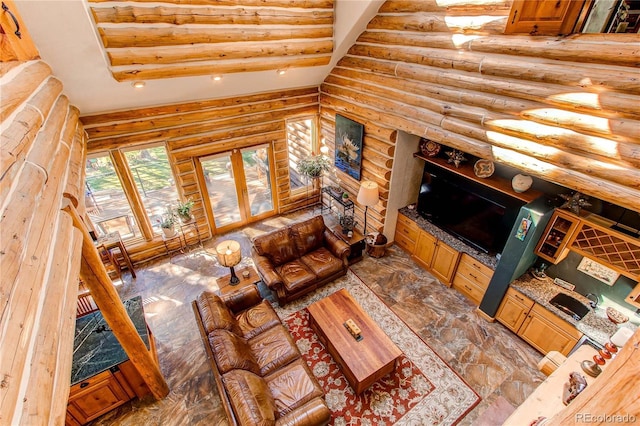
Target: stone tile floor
493	361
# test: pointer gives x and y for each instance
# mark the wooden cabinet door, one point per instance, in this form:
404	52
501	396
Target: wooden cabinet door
512	313
543	17
546	332
425	248
445	260
96	396
406	233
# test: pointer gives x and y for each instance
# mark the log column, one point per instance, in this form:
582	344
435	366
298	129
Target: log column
95	276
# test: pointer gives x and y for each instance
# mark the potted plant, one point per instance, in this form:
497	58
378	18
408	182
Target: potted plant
313	167
184	210
167	223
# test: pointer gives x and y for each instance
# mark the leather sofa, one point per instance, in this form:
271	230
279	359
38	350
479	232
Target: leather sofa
259	372
295	260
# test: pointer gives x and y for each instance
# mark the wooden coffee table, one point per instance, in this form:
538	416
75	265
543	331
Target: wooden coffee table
363	362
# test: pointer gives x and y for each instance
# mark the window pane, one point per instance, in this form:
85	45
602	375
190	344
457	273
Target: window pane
106	203
221	187
152	174
300	137
256	171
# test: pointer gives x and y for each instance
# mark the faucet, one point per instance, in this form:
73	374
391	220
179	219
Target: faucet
592	302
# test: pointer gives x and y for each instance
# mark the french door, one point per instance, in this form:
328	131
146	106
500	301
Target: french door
239	186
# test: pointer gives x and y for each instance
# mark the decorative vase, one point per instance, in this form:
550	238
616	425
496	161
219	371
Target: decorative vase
521	183
168	232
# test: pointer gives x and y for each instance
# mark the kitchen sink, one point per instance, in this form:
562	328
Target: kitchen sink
569	306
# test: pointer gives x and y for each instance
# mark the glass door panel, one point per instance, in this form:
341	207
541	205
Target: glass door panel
221	187
256	169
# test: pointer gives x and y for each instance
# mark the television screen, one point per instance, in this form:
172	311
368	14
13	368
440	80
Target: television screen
477	215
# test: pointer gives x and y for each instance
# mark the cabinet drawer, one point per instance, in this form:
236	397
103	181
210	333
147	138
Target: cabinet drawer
405	242
528	303
469	288
474	271
409	231
105	375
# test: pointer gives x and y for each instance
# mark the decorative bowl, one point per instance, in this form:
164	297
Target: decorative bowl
429	148
483	168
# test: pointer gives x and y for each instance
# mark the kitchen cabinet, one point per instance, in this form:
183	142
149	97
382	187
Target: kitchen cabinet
634	297
95	396
436	256
472	278
553	246
537	326
406	233
514	309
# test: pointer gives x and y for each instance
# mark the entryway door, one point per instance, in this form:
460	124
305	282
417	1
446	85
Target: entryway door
239	187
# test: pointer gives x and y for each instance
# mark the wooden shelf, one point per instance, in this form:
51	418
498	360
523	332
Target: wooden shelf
495	182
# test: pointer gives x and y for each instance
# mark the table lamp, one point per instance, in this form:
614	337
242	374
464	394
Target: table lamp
367	196
229	254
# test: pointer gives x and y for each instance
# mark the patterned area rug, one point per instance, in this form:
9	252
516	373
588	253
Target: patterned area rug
422	390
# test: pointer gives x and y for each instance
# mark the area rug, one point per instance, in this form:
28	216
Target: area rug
423	390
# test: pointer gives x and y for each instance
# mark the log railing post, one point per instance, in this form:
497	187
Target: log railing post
96	278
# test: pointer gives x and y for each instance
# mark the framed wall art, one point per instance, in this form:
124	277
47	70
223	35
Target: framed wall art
349	136
598	271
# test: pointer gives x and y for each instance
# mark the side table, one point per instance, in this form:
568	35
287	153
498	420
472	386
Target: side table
173	244
225	287
190	229
356	242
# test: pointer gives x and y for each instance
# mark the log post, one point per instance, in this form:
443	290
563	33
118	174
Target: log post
95	276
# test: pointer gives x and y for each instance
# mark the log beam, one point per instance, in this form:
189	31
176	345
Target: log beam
96	277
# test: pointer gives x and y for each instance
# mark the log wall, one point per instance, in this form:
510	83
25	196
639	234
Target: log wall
564	109
42	153
198	129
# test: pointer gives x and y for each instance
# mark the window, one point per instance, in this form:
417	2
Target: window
301	143
151	172
106	203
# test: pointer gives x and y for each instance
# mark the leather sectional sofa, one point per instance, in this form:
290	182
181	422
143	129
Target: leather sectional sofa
259	372
295	260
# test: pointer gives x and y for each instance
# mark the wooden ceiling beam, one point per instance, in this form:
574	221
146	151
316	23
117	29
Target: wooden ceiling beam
210	16
304	4
217	52
170	36
246	65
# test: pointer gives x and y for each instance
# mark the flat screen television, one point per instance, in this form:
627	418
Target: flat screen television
476	214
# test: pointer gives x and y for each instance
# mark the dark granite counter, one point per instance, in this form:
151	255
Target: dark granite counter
489	261
595	325
95	347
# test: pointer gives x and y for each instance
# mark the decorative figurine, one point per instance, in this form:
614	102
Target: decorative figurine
456	157
575	202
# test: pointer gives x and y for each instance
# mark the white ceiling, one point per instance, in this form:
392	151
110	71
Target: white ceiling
65	36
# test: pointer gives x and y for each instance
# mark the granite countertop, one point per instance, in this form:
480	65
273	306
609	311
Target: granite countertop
595	325
454	242
96	348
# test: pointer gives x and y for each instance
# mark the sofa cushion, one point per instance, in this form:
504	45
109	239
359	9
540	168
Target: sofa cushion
277	246
292	387
295	276
231	352
250	398
308	235
273	349
256	319
215	314
322	262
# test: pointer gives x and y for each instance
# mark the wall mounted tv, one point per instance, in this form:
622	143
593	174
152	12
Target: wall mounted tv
478	215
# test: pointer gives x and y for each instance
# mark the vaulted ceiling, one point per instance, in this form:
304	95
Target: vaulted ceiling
144	40
98	48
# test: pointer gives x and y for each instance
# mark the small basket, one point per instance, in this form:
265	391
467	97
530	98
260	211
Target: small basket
376	250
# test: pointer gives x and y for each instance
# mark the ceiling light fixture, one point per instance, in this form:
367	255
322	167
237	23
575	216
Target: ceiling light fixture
282	71
138	84
216	78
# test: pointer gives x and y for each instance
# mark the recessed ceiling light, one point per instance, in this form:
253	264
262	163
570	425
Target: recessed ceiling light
281	71
216	78
138	84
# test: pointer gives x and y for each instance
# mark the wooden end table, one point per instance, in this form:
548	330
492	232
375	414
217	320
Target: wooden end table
356	242
363	362
225	286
